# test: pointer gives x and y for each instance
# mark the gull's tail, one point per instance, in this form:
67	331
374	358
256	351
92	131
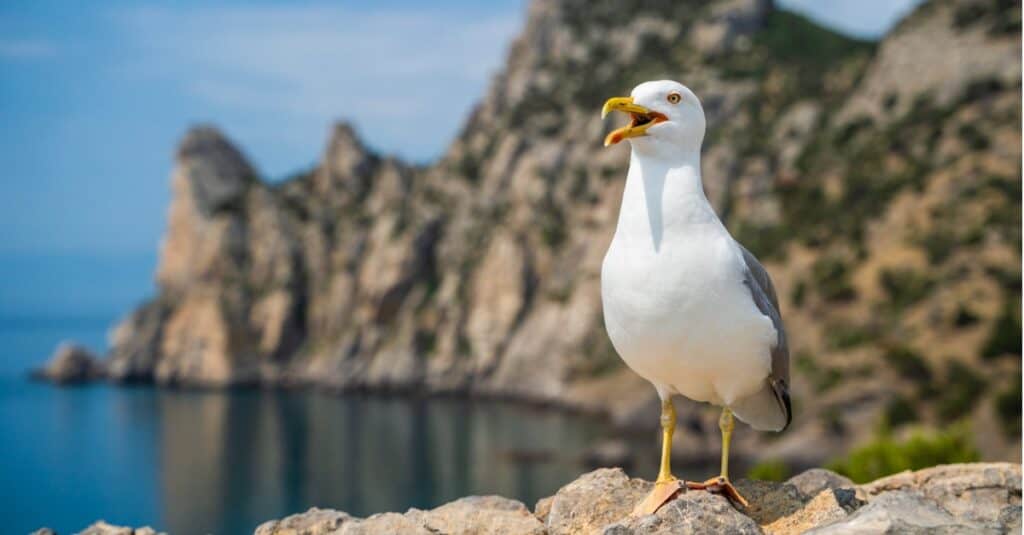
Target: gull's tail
768	409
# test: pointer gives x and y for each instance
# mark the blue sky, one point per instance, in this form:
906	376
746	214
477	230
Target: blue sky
94	96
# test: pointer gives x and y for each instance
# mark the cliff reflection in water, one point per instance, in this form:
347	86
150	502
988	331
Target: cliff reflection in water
230	461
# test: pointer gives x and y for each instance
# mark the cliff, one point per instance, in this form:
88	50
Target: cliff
880	182
952	499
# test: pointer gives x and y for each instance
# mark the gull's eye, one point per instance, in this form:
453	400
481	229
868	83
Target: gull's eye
674	98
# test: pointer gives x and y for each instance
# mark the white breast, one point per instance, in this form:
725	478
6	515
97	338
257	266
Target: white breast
675	304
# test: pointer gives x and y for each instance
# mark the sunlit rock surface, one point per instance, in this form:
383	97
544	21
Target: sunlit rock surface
950	499
71	363
970	498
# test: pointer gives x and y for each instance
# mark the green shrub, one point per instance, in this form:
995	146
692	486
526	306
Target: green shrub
845	336
552	224
831	276
962	390
973	137
833	421
805	364
773	470
908	363
964	317
799	293
1005	336
827	380
938	245
904	286
886	455
899	411
1008	405
823	379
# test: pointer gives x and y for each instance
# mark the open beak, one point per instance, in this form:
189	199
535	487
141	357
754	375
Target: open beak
641	119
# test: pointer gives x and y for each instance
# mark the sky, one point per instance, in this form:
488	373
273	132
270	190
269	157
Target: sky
94	96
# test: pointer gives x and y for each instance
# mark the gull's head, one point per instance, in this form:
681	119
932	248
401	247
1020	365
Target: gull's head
665	118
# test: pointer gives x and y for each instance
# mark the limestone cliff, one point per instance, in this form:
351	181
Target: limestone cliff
879	181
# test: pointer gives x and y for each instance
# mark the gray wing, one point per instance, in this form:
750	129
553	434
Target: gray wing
777	388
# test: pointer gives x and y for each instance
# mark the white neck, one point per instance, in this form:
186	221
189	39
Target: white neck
662	197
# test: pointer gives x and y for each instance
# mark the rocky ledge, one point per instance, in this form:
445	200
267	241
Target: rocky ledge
966	498
962	498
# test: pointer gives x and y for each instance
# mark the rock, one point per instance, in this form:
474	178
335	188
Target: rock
593	501
601	501
71	363
475	514
902	512
931	53
815	480
770	501
136	343
103	528
692	512
312	522
977	492
826	507
480	514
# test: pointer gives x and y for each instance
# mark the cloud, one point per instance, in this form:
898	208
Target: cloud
408	78
26	49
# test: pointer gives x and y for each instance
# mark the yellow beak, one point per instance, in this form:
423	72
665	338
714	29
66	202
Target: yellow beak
641	119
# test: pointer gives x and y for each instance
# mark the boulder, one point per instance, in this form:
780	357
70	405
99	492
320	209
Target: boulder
969	498
475	514
816	480
964	498
103	528
978	492
904	511
71	363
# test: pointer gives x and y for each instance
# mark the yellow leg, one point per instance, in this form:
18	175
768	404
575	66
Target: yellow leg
668	427
667	486
726	425
721	484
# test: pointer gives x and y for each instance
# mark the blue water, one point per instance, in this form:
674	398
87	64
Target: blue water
222	462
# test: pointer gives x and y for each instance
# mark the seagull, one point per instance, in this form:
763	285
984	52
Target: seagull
686	306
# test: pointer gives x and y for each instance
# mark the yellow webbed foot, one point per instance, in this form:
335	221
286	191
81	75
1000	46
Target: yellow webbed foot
720	485
663	492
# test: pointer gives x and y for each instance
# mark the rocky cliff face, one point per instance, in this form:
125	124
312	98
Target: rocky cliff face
880	182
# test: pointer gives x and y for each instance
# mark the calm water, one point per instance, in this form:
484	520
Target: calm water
222	462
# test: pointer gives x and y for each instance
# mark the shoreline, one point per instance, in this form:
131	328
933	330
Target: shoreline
313	386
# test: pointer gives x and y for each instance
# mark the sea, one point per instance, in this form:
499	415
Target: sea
222	462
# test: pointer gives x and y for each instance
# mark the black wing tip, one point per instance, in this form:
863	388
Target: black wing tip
781	391
789	408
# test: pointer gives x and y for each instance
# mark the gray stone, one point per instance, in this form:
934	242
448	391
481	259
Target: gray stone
471	515
813	481
905	512
692	512
103	528
71	363
602	502
313	522
978	492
